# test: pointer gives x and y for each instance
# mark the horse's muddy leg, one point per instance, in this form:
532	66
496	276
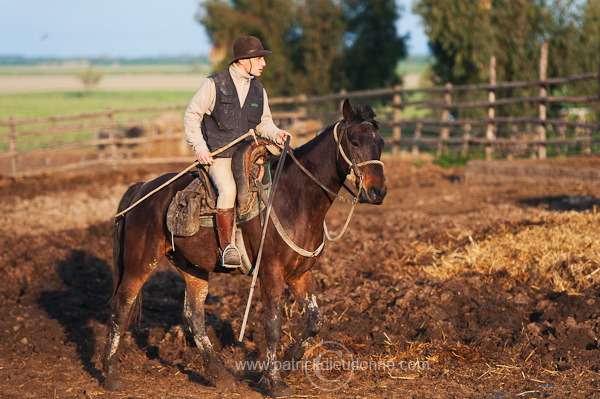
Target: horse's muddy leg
126	305
271	290
196	290
304	291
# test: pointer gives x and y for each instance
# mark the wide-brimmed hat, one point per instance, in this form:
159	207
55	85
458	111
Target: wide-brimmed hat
248	47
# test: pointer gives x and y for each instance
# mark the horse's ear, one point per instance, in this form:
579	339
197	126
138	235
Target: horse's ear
348	111
368	113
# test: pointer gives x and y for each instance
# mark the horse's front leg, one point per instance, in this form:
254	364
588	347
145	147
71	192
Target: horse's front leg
196	291
271	286
303	289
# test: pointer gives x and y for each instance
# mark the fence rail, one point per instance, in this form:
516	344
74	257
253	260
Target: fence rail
411	120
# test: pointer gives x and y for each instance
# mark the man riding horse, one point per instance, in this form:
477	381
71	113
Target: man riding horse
227	105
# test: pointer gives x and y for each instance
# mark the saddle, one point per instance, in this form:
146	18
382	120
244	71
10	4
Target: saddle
195	206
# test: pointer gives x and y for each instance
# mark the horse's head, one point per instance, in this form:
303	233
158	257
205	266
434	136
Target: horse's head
360	148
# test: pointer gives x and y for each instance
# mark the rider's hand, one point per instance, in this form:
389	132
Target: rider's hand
282	136
204	157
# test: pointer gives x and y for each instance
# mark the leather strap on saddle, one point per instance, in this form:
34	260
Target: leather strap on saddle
247	168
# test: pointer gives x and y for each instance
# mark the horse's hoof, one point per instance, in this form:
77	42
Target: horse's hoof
285	373
112	385
222	379
226	383
280	390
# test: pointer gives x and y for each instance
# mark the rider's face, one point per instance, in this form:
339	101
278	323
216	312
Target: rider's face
253	66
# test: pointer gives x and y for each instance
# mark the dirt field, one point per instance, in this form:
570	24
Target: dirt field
405	295
43	83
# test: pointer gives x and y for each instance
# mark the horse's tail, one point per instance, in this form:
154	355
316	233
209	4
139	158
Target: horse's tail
118	243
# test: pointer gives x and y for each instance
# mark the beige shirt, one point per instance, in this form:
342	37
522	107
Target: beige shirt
203	103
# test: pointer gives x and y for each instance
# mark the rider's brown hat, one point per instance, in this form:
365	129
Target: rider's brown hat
248	47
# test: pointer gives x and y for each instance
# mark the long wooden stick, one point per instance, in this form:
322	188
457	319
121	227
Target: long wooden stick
262	237
220	150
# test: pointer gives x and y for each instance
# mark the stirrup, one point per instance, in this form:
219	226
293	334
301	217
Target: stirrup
230	257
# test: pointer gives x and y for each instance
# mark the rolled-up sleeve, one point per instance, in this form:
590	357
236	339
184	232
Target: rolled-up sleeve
201	104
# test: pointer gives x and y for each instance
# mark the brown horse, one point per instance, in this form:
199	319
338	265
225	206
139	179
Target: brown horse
301	203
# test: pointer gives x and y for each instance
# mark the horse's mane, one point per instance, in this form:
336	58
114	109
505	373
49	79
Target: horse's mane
362	115
365	115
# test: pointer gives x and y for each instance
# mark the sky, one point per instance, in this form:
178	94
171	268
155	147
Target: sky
125	28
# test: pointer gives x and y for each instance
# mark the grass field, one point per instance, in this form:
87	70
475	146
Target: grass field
414	64
26	105
52	88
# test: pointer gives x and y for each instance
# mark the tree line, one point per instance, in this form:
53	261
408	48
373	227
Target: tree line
323	46
464	35
319	46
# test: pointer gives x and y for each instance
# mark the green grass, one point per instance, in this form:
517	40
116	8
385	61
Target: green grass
33	105
28	105
454	158
414	64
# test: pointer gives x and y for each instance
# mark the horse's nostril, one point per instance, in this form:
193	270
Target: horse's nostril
374	195
373	192
377	192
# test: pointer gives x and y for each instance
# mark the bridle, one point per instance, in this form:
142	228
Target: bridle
354	172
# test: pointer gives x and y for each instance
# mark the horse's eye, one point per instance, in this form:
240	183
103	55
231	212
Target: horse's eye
354	143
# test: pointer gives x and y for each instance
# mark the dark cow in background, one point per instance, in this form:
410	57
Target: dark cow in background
120	148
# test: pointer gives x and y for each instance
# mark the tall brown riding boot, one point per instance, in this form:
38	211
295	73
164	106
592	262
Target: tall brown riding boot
231	255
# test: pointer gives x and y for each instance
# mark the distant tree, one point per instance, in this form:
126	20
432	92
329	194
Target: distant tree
315	46
269	20
311	40
588	43
90	77
588	47
463	35
373	47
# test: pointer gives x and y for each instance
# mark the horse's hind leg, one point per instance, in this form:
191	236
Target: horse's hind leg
304	291
196	290
126	305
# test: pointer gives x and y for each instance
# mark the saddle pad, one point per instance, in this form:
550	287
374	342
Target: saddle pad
195	206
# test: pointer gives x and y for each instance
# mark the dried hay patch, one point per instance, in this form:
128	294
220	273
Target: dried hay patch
562	247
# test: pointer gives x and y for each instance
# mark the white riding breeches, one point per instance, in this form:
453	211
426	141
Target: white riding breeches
222	177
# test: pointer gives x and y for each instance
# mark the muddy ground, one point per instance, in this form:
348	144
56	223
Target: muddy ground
410	333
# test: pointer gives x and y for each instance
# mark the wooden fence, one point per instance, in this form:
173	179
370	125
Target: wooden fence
412	121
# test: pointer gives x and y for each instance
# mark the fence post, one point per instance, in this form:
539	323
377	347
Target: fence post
110	118
542	105
466	138
12	145
417	141
302	109
397	115
490	133
445	129
587	146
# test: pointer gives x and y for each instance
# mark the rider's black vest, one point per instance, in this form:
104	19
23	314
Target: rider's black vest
228	120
